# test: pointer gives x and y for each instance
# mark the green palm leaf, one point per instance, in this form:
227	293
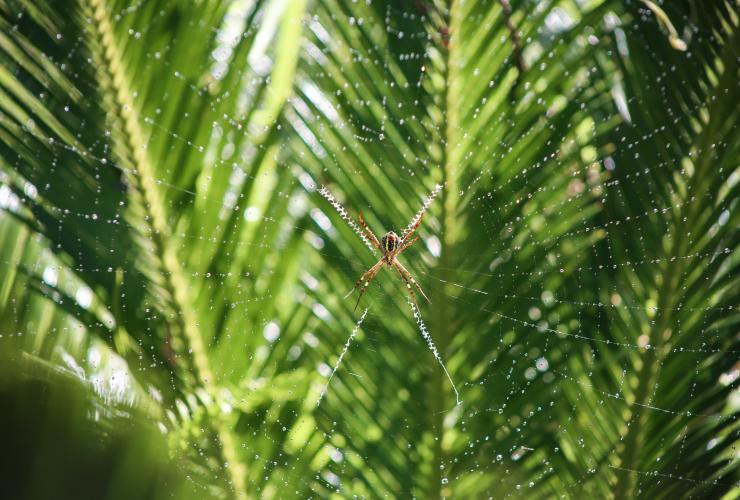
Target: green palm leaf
161	225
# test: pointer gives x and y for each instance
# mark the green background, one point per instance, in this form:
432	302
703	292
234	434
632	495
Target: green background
172	282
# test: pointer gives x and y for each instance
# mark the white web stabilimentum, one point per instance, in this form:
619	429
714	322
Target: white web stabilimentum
345	216
344	351
425	206
428	338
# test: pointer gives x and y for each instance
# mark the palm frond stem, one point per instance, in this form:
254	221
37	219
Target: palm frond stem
145	193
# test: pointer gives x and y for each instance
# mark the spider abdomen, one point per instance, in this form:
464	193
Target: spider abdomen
389	242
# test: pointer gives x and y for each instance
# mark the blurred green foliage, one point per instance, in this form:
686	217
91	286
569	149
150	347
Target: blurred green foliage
171	282
62	440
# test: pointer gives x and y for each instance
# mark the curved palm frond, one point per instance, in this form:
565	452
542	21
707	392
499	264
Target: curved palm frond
160	223
137	194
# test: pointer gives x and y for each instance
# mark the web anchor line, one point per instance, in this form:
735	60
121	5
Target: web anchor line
433	348
344	351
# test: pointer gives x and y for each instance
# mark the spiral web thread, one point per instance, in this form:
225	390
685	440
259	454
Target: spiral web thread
345	216
344	351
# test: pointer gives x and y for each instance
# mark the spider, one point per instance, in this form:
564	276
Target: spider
391	246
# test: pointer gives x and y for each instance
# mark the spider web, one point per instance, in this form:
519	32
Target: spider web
417	314
543	294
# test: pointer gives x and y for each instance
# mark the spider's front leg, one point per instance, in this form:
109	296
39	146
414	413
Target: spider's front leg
365	280
368	232
408	235
406	245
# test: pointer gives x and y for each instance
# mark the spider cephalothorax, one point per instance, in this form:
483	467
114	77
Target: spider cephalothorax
391	245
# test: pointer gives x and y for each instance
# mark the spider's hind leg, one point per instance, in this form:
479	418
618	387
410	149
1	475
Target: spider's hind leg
365	280
411	290
406	275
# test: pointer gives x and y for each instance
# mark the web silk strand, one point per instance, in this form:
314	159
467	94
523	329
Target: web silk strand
427	203
433	348
345	216
344	351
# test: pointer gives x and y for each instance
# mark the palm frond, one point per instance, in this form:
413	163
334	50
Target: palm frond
162	225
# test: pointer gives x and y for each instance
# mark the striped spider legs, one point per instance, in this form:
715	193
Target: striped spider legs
391	246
